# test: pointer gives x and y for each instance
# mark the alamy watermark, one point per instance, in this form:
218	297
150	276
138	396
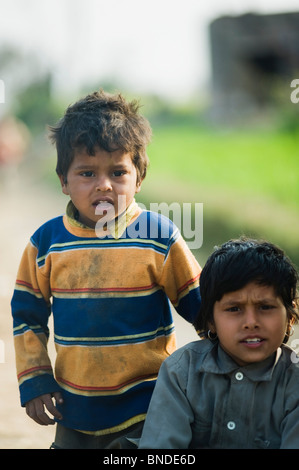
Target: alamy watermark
188	218
2	91
295	93
295	354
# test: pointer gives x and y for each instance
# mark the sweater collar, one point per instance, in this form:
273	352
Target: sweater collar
115	228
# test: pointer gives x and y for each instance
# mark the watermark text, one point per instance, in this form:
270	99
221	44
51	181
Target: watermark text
295	354
187	217
295	93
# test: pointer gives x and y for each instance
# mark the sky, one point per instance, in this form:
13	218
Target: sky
147	46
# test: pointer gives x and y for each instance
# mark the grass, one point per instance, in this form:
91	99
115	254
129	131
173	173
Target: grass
264	165
248	182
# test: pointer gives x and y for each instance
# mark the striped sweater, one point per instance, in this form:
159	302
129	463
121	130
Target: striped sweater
112	318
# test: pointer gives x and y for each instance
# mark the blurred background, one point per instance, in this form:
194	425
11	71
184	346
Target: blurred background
217	80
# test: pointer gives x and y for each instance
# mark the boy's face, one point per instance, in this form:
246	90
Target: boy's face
106	181
251	323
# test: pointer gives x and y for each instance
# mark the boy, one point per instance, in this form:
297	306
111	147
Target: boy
108	287
238	388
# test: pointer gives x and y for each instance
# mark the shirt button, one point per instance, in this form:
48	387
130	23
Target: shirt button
231	425
239	376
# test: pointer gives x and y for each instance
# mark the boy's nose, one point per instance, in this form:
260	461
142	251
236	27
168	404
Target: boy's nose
103	184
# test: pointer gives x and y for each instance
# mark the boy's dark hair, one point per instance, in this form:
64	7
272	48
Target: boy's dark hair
103	120
238	262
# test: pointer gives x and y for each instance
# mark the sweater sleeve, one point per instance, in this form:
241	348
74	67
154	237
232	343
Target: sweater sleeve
31	308
180	277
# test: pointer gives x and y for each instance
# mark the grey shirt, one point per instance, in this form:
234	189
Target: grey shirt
203	399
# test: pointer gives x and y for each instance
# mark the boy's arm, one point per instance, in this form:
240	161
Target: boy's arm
180	278
31	309
169	417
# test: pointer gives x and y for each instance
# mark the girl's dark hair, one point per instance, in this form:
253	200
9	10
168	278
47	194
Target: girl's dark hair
103	120
238	262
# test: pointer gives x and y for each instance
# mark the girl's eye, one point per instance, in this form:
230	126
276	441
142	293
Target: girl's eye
233	309
267	307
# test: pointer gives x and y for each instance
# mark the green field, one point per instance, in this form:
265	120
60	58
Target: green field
248	181
259	164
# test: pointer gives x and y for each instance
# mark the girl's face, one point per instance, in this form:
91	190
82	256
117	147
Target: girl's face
251	323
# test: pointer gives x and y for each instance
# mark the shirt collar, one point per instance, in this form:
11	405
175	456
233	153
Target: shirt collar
218	362
116	228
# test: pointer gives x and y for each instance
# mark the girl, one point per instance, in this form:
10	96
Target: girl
238	387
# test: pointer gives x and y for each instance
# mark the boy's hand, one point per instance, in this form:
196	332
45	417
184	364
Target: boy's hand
35	408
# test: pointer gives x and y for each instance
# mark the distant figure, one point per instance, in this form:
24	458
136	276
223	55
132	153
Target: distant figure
14	140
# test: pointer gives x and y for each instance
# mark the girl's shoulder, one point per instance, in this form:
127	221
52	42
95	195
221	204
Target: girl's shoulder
196	351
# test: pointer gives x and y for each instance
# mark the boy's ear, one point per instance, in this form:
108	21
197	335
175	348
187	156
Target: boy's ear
138	185
63	182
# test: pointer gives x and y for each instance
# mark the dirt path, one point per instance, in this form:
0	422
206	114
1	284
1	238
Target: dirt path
25	204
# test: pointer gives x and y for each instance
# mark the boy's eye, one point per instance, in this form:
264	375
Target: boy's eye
118	172
87	174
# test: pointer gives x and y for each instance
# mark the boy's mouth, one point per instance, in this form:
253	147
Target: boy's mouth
102	206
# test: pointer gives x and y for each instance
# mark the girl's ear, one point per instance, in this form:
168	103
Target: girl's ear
212	327
290	328
212	333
